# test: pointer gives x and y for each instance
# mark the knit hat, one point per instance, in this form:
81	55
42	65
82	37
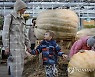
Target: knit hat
91	41
19	4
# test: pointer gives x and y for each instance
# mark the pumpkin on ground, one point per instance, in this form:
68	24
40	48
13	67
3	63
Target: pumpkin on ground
82	64
63	22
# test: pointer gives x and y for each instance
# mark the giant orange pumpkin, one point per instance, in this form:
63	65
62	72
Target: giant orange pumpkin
82	64
63	22
85	32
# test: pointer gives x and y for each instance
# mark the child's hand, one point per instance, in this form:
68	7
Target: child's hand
64	57
36	46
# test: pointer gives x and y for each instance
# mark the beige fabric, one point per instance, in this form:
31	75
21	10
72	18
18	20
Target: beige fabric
18	40
19	4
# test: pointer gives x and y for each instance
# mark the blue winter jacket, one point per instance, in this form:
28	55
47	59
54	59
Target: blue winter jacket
50	52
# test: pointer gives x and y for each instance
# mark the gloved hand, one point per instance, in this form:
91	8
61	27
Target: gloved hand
28	49
10	58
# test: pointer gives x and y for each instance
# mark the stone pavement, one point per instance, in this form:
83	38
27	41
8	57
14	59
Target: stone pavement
3	70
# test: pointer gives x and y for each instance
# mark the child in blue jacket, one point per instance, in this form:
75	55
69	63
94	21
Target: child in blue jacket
50	52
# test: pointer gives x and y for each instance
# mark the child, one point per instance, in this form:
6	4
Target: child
50	52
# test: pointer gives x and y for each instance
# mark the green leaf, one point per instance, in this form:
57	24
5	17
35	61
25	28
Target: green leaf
89	26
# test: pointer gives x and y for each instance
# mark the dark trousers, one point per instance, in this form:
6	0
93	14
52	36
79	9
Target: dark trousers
3	55
32	46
